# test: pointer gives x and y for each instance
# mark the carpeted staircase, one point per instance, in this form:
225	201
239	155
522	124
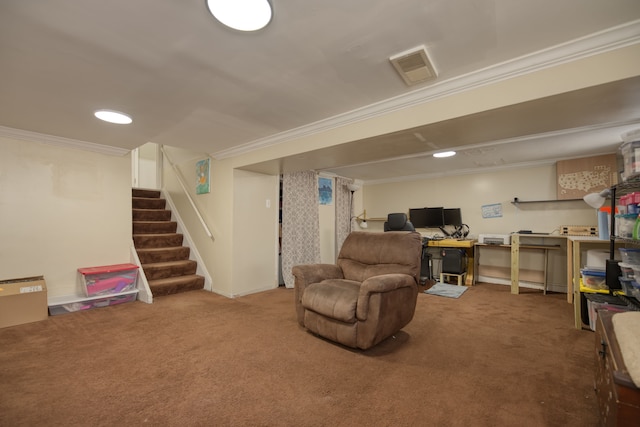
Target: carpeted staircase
165	262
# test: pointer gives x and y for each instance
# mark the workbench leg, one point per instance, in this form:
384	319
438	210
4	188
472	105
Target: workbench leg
515	264
546	264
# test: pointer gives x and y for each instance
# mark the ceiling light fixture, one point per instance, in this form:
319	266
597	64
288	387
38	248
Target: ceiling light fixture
243	15
444	154
113	117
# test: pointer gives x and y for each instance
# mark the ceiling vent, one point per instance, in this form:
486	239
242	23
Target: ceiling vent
414	66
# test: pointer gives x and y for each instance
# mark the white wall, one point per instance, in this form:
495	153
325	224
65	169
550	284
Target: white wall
255	232
147	166
61	209
327	227
184	173
471	192
242	258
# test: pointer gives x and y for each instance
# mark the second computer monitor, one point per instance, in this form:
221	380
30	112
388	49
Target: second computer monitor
453	216
418	217
434	217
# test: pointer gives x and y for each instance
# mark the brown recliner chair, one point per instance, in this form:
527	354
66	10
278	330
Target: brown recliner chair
368	295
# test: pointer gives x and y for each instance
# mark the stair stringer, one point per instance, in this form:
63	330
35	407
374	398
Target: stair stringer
188	241
144	291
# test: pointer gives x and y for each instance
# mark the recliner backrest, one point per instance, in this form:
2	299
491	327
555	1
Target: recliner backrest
398	222
367	254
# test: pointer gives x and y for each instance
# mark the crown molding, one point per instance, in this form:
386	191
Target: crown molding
593	44
483	169
470	171
24	135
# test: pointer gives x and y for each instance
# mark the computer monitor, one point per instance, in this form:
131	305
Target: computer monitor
434	218
453	216
418	217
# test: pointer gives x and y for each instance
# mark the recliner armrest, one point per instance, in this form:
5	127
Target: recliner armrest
314	273
380	284
306	275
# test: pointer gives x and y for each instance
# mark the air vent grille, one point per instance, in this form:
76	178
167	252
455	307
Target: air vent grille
414	66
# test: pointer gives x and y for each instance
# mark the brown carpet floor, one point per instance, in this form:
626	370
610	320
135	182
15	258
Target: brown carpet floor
488	358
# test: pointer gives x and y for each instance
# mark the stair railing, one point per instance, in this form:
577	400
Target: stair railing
180	179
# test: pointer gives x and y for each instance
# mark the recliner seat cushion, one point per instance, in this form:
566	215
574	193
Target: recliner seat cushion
333	298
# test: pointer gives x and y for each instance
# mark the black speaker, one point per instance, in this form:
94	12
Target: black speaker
613	272
453	261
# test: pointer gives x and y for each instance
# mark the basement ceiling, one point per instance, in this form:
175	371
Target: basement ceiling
191	83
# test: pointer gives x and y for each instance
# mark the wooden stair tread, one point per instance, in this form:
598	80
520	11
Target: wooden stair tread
164	264
165	260
154	227
156	234
180	279
169	248
148	209
173	285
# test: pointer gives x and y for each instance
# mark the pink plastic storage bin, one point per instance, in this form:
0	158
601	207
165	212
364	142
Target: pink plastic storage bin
109	279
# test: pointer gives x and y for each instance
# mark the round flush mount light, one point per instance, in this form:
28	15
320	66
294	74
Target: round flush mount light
444	154
113	117
243	15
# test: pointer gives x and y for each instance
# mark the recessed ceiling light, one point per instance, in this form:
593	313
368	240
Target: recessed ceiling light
113	117
444	154
243	15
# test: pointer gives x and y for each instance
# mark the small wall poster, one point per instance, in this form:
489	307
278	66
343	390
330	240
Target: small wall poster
492	211
202	176
325	190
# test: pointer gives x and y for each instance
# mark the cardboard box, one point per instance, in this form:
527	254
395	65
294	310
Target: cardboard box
22	301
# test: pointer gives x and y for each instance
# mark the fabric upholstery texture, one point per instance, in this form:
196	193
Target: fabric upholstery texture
368	295
300	222
626	326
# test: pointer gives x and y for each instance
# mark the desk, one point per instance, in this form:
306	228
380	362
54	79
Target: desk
467	245
514	250
516	245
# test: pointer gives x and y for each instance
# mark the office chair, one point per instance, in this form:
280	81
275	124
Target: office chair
398	222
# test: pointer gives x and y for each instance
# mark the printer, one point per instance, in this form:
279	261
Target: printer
494	239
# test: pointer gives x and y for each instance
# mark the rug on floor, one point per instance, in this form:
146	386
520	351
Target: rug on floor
446	290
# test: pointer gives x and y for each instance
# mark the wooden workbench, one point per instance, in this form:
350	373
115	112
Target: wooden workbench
467	245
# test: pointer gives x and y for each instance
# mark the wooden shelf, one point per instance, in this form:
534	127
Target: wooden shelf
522	246
517	201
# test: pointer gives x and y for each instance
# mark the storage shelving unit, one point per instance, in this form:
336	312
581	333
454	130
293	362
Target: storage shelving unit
614	242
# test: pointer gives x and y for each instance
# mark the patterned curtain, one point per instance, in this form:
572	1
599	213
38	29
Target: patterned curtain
344	211
300	222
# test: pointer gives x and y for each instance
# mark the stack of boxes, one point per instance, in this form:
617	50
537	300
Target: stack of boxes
630	153
630	268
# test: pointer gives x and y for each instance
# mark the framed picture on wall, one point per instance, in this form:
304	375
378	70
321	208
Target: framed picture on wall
579	177
202	176
325	191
